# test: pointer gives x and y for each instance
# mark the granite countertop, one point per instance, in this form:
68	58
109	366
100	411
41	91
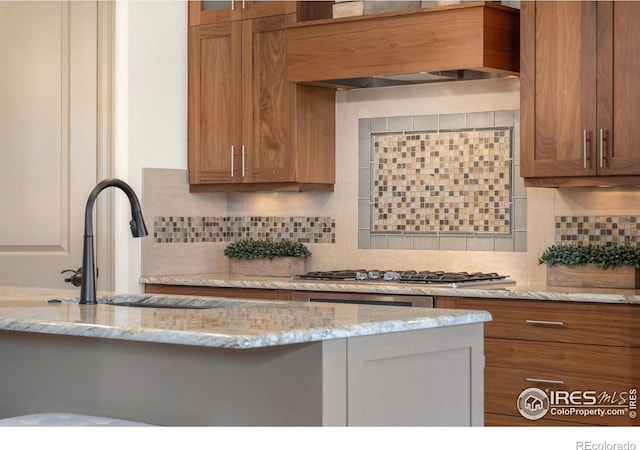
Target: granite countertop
231	323
509	290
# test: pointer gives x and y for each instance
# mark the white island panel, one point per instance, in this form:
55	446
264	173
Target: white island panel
414	378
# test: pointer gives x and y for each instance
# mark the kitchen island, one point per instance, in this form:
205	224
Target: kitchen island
240	362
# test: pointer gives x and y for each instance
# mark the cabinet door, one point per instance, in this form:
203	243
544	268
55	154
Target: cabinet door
214	103
268	111
618	88
558	89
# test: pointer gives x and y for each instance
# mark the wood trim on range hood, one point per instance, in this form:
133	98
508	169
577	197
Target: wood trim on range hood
470	40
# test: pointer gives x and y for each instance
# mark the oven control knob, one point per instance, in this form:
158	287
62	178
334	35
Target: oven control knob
391	276
361	276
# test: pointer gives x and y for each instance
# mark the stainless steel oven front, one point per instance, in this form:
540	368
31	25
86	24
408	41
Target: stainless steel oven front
418	301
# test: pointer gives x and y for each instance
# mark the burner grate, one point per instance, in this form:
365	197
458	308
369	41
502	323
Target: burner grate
407	276
330	275
447	277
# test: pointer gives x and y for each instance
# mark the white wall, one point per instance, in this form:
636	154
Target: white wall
151	109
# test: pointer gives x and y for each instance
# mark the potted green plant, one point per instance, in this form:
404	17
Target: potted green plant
266	257
610	266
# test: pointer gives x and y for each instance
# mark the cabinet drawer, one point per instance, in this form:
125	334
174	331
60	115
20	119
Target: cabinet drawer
583	323
513	366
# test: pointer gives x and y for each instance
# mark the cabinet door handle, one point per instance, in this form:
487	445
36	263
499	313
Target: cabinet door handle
601	148
233	5
542	380
233	153
545	322
243	153
584	148
243	4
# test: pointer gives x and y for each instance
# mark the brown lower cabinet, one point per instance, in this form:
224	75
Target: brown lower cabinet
208	291
584	356
571	350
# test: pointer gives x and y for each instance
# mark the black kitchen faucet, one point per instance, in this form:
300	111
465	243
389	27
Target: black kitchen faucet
138	229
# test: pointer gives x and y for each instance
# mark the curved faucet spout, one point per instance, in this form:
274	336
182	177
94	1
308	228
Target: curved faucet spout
138	229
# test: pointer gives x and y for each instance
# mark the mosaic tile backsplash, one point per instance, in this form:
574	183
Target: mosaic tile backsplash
449	181
442	182
607	230
184	229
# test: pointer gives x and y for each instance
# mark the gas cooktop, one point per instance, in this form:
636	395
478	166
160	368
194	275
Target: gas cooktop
405	276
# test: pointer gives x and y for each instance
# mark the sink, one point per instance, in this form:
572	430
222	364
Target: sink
169	302
159	301
164	305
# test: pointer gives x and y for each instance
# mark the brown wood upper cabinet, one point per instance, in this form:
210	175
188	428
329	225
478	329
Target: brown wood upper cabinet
250	129
579	93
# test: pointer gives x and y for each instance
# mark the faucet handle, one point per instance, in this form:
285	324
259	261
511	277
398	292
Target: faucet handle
76	278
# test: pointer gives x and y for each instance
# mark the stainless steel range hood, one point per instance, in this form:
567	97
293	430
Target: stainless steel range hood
412	78
468	41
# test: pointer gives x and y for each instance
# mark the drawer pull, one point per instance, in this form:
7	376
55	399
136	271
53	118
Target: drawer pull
545	322
542	380
243	152
602	147
232	153
585	139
